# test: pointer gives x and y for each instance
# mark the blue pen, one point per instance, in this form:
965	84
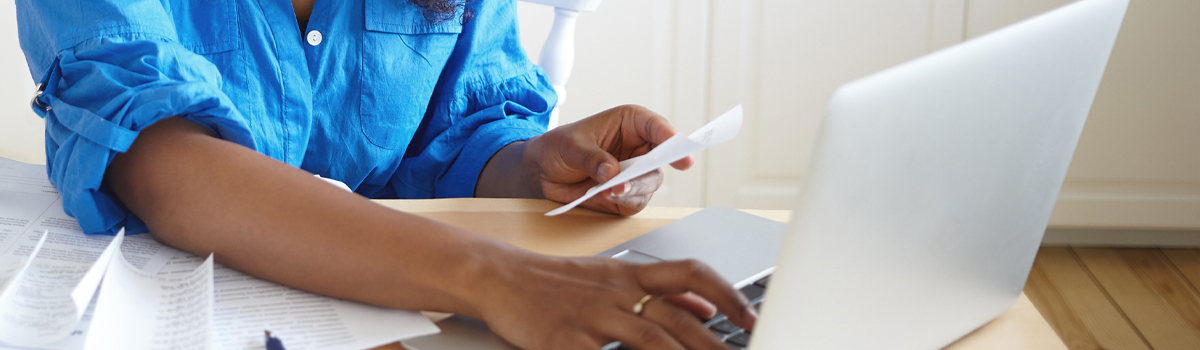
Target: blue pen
273	342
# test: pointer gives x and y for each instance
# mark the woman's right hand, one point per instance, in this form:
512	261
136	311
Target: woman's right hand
541	302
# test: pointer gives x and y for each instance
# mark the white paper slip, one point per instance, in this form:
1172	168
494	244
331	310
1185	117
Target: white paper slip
53	295
17	315
722	129
139	310
12	274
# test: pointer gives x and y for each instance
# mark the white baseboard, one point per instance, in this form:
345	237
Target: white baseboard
1128	205
1121	238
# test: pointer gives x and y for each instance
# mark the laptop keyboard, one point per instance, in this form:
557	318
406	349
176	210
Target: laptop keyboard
733	336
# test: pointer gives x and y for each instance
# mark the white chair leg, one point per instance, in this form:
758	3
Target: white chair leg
558	56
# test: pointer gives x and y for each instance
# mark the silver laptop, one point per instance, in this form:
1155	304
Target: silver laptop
926	198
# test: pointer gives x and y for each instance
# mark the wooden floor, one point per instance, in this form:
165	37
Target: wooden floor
1118	298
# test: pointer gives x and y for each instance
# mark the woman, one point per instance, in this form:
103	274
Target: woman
203	122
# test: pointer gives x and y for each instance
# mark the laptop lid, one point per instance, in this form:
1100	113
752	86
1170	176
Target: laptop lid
931	186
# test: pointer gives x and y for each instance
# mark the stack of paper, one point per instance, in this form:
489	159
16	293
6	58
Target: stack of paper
152	296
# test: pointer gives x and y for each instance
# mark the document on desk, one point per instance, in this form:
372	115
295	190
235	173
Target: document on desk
25	194
722	129
246	305
46	301
241	306
12	280
139	310
63	266
29	205
51	308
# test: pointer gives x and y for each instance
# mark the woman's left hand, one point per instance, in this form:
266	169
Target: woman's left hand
572	158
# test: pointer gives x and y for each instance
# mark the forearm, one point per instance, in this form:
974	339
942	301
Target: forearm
263	217
266	218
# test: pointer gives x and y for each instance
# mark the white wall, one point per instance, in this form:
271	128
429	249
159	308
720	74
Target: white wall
21	136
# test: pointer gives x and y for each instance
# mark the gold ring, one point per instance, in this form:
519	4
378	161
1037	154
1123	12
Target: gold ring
641	304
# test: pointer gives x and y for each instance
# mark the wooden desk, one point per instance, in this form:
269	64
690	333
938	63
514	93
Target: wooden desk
584	233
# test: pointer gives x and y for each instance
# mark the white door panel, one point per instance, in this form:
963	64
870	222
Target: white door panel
1138	162
783	59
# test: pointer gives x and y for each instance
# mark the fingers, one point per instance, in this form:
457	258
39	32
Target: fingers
682	325
635	194
692	303
567	156
592	160
653	129
641	185
570	160
637	332
638	130
631	204
574	340
649	126
661	326
598	164
684	164
674	277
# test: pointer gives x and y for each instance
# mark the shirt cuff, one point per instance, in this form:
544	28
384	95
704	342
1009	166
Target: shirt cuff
87	125
460	181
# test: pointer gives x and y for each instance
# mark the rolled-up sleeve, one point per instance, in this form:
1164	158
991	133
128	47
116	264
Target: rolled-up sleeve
110	70
449	166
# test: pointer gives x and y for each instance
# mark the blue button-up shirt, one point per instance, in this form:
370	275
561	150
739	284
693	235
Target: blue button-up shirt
392	104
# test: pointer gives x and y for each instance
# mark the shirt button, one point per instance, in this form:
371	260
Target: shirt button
314	38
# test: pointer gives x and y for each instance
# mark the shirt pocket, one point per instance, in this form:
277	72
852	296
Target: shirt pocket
205	27
210	28
403	55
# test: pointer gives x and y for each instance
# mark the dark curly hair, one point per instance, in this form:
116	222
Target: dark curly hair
445	10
